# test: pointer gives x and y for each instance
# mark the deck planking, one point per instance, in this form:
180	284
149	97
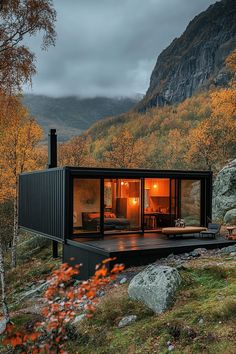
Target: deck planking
151	242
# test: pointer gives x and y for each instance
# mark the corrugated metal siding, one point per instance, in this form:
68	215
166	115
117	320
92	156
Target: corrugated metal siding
41	202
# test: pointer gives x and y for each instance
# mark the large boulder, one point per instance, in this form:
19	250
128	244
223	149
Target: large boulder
224	194
230	217
155	286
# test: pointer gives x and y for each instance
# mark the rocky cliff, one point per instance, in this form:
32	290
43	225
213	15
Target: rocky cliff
196	60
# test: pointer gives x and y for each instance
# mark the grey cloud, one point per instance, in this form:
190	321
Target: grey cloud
109	47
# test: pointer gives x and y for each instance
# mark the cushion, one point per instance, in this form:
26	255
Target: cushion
93	215
108	214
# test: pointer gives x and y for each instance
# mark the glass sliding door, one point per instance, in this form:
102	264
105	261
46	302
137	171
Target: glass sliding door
190	202
174	202
122	205
156	203
86	205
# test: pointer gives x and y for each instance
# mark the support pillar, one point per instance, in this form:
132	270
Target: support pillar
52	162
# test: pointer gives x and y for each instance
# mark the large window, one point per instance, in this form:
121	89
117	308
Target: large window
164	200
86	205
156	203
122	205
190	202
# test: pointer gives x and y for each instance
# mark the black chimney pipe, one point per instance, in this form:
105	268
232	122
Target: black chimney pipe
52	148
52	162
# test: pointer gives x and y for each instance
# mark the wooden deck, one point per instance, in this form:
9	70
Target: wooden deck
135	249
150	241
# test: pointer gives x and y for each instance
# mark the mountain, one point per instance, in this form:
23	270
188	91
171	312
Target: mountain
72	115
196	60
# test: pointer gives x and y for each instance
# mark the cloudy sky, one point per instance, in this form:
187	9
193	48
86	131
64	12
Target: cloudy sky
109	47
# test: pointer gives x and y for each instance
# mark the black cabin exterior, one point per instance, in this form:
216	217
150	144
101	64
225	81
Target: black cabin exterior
69	202
75	205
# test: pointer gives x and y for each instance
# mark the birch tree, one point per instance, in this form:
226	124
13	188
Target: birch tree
18	153
21	19
5	235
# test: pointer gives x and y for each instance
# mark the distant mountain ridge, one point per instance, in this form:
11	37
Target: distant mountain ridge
195	60
72	115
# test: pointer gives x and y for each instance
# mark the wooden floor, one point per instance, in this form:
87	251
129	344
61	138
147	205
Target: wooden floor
150	241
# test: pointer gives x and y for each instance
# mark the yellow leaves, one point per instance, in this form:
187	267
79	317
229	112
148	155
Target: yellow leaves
20	19
224	102
18	149
213	141
231	61
125	151
76	152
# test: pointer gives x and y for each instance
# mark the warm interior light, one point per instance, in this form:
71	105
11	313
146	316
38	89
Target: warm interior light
124	183
134	201
155	186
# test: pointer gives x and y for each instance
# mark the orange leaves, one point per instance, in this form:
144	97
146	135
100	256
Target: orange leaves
105	261
19	137
63	303
14	340
102	272
19	19
211	143
231	61
76	152
117	268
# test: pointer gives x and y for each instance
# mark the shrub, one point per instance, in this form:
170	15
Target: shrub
63	303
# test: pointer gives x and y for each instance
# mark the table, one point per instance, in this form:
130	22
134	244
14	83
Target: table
156	219
230	229
182	230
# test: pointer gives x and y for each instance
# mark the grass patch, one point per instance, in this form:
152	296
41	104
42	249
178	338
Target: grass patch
115	305
207	294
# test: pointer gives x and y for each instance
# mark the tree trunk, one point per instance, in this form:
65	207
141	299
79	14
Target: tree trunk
3	287
15	234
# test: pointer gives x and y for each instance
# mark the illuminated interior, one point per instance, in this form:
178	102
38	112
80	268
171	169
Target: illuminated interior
122	205
156	203
163	201
86	205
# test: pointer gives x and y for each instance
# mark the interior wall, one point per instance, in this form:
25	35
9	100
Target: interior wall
86	198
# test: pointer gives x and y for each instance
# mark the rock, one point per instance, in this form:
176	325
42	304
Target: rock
123	280
35	292
3	325
199	251
201	321
224	194
100	293
155	286
228	250
127	320
185	256
196	60
233	254
181	267
170	256
171	347
230	217
78	318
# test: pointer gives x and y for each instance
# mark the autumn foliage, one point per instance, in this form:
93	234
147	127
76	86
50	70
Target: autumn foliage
63	302
199	133
19	19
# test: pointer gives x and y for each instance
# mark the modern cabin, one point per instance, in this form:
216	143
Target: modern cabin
98	213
